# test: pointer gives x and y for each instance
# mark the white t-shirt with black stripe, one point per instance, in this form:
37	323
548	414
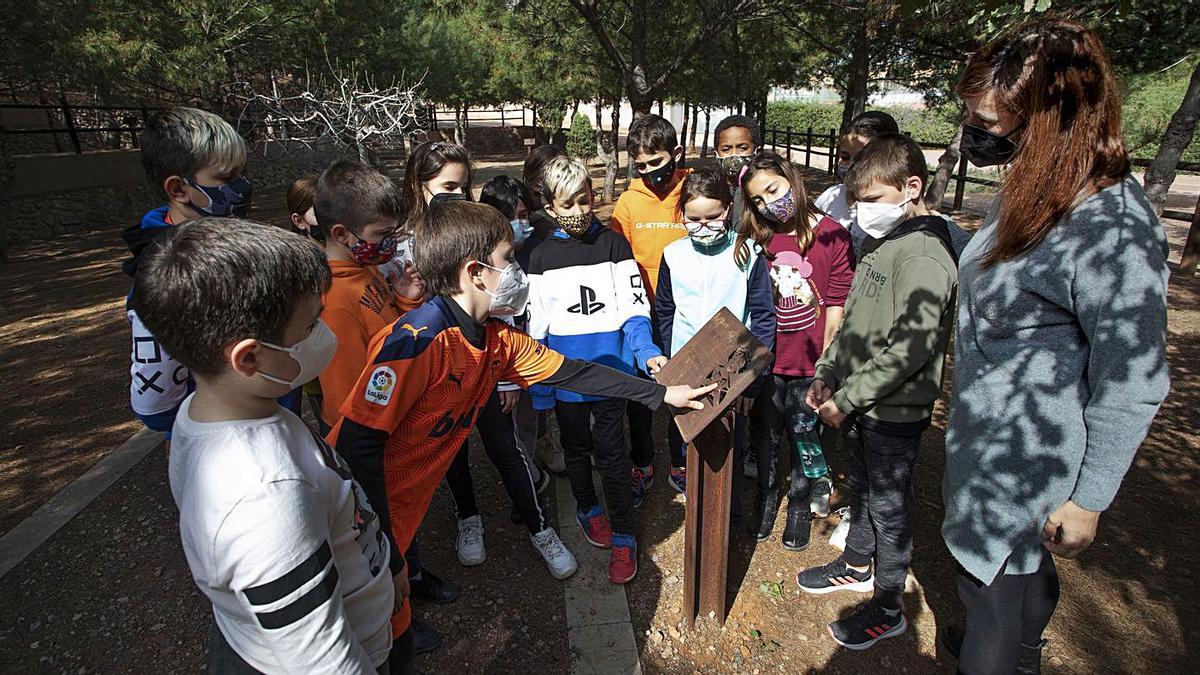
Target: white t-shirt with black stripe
283	542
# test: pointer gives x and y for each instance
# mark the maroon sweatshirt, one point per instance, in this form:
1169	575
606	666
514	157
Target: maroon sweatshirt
806	283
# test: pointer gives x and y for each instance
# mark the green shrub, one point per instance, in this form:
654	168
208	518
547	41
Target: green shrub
581	138
926	125
1151	99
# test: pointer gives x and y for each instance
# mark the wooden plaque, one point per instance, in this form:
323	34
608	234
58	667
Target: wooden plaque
723	351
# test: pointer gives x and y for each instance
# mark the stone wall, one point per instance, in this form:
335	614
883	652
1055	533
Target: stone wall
53	194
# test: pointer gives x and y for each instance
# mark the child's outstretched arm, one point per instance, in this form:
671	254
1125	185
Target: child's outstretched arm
530	363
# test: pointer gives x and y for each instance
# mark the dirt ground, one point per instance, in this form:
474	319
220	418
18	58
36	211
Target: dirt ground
111	591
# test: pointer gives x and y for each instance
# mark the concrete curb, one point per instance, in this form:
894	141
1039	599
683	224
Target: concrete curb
26	536
599	632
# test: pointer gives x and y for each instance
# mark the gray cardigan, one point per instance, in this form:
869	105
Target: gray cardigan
1059	369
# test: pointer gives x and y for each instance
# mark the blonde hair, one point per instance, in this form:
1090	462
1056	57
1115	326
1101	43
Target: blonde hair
563	176
181	141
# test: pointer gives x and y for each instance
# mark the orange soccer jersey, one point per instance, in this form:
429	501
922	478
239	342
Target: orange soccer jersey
424	386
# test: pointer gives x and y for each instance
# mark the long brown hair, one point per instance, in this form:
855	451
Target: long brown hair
1056	76
752	224
424	164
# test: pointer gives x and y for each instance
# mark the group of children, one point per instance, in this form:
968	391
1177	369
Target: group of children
407	316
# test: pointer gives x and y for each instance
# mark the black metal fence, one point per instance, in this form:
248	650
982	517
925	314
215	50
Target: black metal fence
77	129
824	144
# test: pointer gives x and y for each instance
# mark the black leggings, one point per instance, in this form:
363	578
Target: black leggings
496	432
1002	616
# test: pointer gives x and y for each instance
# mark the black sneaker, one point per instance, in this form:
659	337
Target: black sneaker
433	588
867	626
425	637
835	576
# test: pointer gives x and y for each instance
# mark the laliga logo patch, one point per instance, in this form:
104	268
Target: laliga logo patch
380	386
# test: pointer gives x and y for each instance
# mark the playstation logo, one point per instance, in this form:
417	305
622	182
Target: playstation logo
587	302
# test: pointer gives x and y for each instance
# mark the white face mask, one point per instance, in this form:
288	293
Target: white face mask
313	353
879	219
511	294
521	230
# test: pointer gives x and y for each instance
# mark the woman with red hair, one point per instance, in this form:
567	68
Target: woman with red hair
1059	357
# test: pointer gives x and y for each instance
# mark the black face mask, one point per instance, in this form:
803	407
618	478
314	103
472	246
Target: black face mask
658	178
447	197
983	148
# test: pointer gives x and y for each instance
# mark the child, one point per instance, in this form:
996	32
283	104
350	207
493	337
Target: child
436	171
864	128
513	199
300	197
522	478
587	300
197	162
705	272
531	175
737	140
646	216
879	379
431	371
358	211
277	534
811	269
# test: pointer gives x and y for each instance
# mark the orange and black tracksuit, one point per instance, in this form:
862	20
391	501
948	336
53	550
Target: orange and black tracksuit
429	373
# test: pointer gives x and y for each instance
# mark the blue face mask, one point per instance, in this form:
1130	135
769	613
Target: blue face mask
230	199
521	230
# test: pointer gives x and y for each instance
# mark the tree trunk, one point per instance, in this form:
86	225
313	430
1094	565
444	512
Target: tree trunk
936	190
660	107
460	125
695	122
684	131
857	77
762	113
641	107
614	161
707	119
603	150
1191	247
574	112
1175	140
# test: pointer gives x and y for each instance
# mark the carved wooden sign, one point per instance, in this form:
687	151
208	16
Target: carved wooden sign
723	351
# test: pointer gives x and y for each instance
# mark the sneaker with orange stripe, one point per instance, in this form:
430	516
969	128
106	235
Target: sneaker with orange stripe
867	626
835	576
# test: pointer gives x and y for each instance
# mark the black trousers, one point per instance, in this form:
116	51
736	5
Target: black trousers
1002	616
879	470
596	428
496	431
779	413
641	436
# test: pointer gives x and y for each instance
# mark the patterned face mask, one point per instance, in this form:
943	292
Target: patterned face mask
782	210
575	225
373	252
733	165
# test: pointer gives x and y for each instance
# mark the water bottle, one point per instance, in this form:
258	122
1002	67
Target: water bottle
812	458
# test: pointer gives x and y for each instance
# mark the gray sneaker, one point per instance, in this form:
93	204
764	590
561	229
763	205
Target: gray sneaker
552	457
560	561
822	489
470	547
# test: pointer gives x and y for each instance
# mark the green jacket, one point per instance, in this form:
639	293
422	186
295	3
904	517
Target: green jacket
886	361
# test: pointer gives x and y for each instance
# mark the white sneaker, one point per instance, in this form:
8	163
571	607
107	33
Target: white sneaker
470	541
838	538
559	560
818	501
